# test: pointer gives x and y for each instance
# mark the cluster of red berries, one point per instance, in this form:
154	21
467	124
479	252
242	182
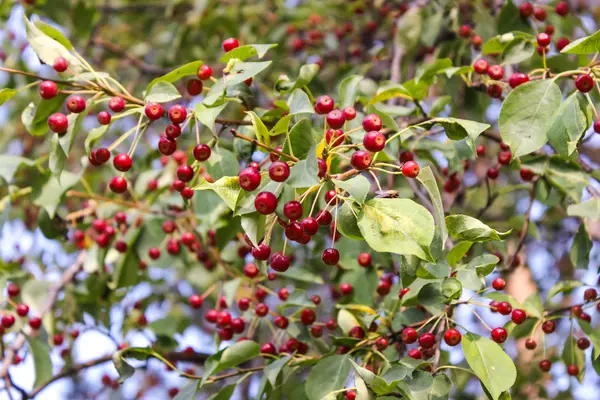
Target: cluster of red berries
466	32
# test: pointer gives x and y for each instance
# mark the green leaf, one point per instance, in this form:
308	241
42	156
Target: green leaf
244	70
224	394
41	361
593	334
581	248
510	19
228	188
484	264
348	91
463	227
490	363
329	374
254	226
222	163
357	187
300	139
299	103
273	370
305	173
410	25
458	252
439	105
54	33
428	72
563	287
585	45
35	117
451	288
6	94
588	209
260	130
230	357
162	92
126	271
458	129
567	176
207	115
517	51
188	69
9	165
305	76
347	223
243	53
93	136
427	179
526	115
533	305
571	120
398	226
573	355
48	192
57	157
188	391
374	382
431	297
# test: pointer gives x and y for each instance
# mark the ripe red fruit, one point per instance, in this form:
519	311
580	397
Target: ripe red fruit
504	308
526	174
249	179
583	343
409	335
310	225
416	354
496	72
518	316
597	126
539	14
173	131
361	160
517	79
584	83
13	290
116	104
481	66
452	337
76	104
335	119
294	231
244	303
322	165
118	184
166	146
281	322
251	270
545	365
58	123
22	310
504	157
349	113
35	323
492	173
364	259
590	294
562	43
153	111
280	262
293	210
185	173
177	114
265	203
494	91
122	162
48	90
573	370
7	320
403	292
58	339
330	256
195	301
60	64
268	348
324	104
465	31
201	152
372	122
357	332
383	288
374	141
324	218
261	309
543	39
410	169
230	44
334	137
548	327
427	340
530	344
279	171
262	252
562	8
194	87
104	118
499	284
308	316
526	9
476	41
316	331
499	335
204	72
346	289
382	343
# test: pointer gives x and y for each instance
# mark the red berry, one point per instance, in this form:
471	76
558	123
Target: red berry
548	327
383	288
265	203
324	105
382	344
249	179
185	173
48	90
499	284
416	354
116	104
308	316
590	294
293	210
334	137
202	152
562	8
230	44
452	337
316	331
280	262
349	113
244	303
504	157
410	169
118	184
583	343
58	123
204	72
153	111
562	43
374	141
517	79
279	171
504	308
294	231
526	9
357	332
573	370
261	309
194	87
476	41
330	195
322	165
281	322
166	146
22	310
122	162
251	270
545	365
403	292
324	218
76	104
177	114
499	335
481	66
526	174
492	173
104	118
372	122
7	320
310	225
262	252
346	289
584	83
496	72
409	335
173	131
427	340
330	256
494	91
539	14
35	323
530	344
518	316
549	29
364	259
361	160
465	31
60	64
406	156
195	301
268	348
543	39
13	290
58	339
335	119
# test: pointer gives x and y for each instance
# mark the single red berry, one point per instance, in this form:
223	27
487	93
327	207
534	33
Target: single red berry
372	122
526	174
185	173
274	156
279	171
280	262
230	44
330	195
406	156
308	316
265	203
58	339
177	114
262	252
201	152
35	323
153	111
346	289
118	184
261	309
116	104
281	322
562	43
310	225
530	344
173	131
583	343
526	10
283	294
499	284
330	256
268	348
166	146
403	292
549	327
364	259
597	126
293	210
316	331
492	173
549	29
316	299
499	335
585	317
374	141
349	113
204	72
121	246
60	64
22	310
539	14
504	157
573	370
154	253
324	104
382	344
194	87
361	160
324	217
244	303
357	332
590	294
48	90
481	66
452	337
251	270
517	79
195	301
518	316
334	137
427	340
494	91
76	104
7	320
496	72
322	165
410	169
584	83
383	288
416	354
543	39
504	308
476	41
294	231
122	162
465	31
58	123
409	335
562	8
104	118
335	119
249	179
545	365
13	290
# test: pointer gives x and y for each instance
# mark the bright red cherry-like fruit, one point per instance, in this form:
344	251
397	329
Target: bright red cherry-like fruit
116	104
562	8
177	114
583	343
262	252
499	284
504	157
504	308
364	259
279	171
517	79
496	72
539	14
530	344
372	122
194	87
153	111
548	327
518	316
173	131
324	218
7	320
590	294
118	184
526	174
249	179
409	335
410	169
349	113
122	162
35	323
48	90
494	91
13	289
361	160
526	9
427	340
335	119
293	210
60	64
416	354
167	146
76	104
195	301
334	137
330	256
584	83
204	72
543	39
562	43
324	104
465	31
308	316
104	118
452	337
382	344
58	123
572	370
22	310
185	173
230	44
265	203
357	332
499	335
481	66
374	141
201	152
545	365
280	262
